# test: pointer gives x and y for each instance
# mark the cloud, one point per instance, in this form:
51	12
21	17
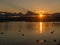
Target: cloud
11	5
30	4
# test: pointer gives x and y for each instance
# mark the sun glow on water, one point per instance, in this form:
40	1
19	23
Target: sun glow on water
41	31
40	27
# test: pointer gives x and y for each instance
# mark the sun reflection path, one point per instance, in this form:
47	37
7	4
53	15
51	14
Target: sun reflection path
41	30
40	27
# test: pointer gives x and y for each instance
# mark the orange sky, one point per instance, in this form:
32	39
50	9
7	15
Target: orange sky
50	6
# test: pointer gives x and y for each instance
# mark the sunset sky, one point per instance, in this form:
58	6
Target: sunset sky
50	6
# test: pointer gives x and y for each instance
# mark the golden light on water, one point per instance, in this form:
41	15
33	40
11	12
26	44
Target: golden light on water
40	26
41	31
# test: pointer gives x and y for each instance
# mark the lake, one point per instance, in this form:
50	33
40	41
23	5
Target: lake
29	33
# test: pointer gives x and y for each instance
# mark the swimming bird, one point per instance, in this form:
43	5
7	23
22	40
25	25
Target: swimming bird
1	32
37	41
22	34
55	40
52	32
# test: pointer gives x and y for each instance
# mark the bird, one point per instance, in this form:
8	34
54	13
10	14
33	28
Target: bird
37	41
55	40
44	40
1	32
22	34
52	32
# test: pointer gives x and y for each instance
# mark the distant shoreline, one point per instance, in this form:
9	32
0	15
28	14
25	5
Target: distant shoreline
29	19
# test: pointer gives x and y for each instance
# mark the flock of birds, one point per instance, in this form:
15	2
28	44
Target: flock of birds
46	40
38	40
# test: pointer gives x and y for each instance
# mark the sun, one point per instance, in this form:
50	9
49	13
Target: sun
41	13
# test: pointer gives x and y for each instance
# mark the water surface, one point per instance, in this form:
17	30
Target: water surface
29	33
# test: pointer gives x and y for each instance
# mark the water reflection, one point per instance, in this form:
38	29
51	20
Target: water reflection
41	31
29	33
40	27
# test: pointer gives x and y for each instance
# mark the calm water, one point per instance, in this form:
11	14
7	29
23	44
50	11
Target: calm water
29	33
